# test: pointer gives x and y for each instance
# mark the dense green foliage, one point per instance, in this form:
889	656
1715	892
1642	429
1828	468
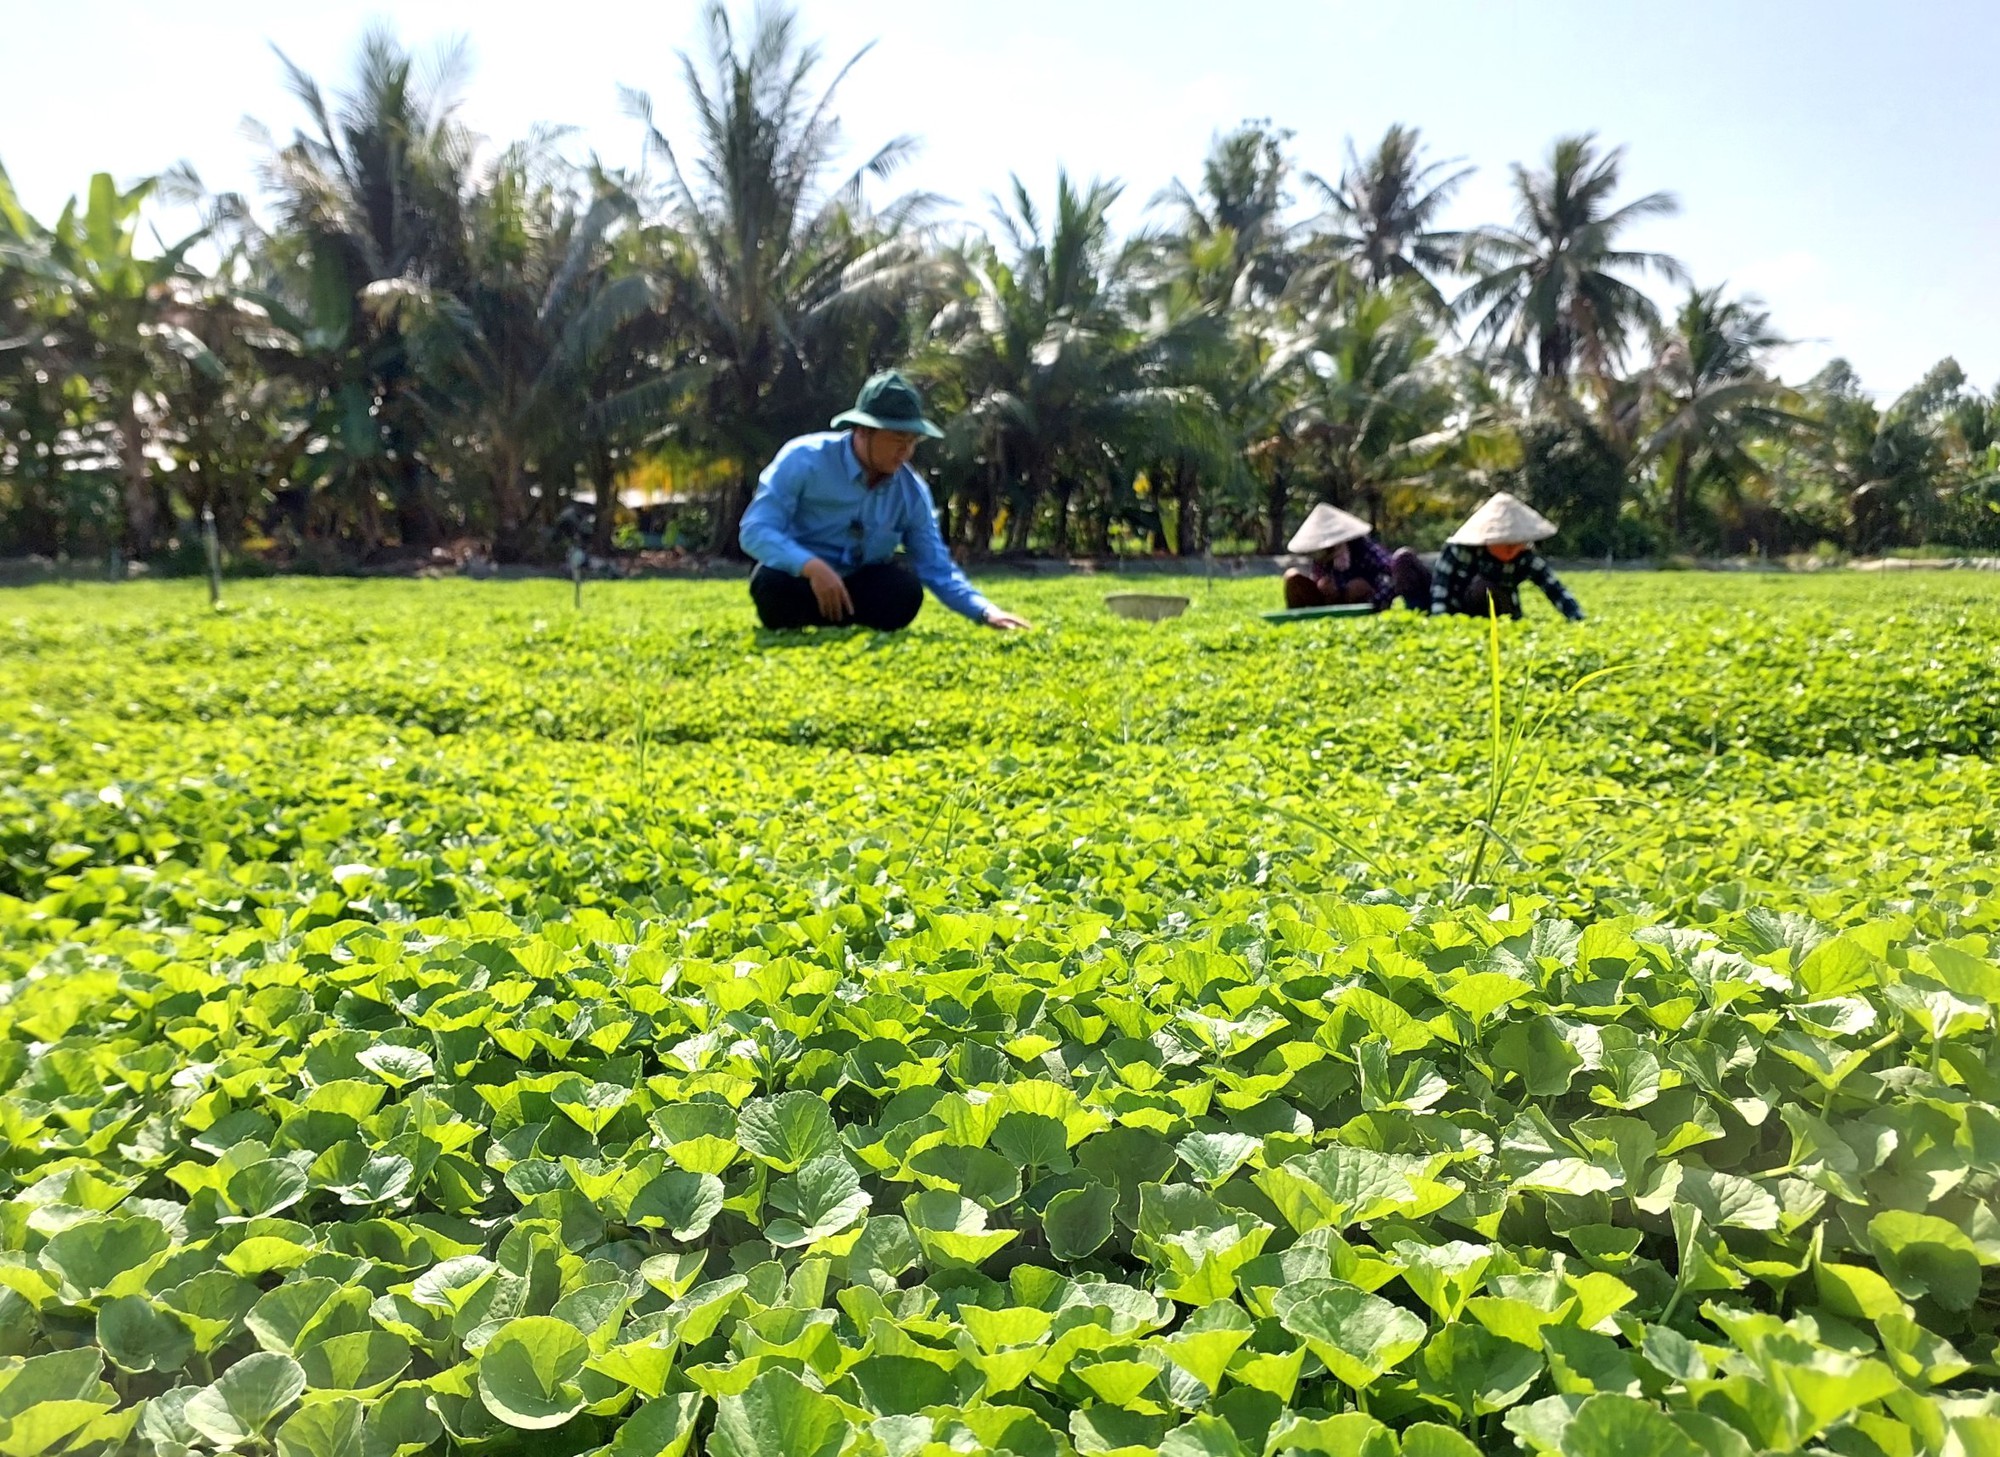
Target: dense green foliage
416	339
434	1019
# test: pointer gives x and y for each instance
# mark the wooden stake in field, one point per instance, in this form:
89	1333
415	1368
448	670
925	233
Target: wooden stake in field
576	575
213	548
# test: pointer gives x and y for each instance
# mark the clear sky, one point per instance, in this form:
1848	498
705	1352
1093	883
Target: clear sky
1839	158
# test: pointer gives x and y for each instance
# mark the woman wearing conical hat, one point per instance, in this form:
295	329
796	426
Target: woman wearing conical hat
1485	561
1345	564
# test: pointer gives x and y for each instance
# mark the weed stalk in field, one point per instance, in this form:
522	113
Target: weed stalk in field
1505	761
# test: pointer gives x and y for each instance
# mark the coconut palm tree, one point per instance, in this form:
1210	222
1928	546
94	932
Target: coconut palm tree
1372	403
1381	216
1710	398
1063	390
1231	237
513	361
794	285
371	190
1214	282
1556	285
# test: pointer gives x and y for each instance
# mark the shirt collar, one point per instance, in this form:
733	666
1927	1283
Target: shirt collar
858	473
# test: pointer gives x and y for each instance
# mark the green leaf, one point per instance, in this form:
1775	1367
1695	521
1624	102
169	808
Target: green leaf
663	1427
1202	1436
265	1188
1728	1200
527	1372
324	1429
1359	1336
1444	1276
1610	1425
777	1415
1835	966
397	1066
240	1404
1078	1221
1213	1157
1351	1434
1033	1141
952	1230
139	1335
55	1379
365	1363
450	1285
787	1131
1924	1255
978	1173
401	1423
591	1106
1475	1371
1428	1439
283	1315
100	1257
824	1198
685	1204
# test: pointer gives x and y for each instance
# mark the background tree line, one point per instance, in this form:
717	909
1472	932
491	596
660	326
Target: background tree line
419	339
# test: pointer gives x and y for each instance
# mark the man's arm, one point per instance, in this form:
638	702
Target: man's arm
1544	577
933	563
766	528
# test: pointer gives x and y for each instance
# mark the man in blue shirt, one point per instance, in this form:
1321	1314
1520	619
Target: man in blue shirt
831	512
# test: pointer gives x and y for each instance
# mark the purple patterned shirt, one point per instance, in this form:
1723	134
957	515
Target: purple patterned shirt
1367	562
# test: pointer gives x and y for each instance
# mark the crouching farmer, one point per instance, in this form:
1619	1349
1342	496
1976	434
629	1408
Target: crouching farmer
832	511
1346	565
1485	561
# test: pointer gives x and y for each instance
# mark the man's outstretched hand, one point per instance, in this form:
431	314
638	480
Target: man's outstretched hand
828	590
1007	621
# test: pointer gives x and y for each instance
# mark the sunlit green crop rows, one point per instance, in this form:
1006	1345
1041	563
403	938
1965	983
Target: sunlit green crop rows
439	1020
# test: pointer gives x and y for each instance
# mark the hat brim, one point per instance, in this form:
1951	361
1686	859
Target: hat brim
917	426
1502	536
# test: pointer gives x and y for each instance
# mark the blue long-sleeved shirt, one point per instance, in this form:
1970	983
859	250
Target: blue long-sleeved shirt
814	500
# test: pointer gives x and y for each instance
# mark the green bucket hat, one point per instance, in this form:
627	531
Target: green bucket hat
889	402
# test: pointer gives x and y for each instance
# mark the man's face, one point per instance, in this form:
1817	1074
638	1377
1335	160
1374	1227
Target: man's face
884	452
1508	550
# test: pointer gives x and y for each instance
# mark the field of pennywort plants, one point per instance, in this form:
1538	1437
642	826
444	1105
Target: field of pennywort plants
433	1019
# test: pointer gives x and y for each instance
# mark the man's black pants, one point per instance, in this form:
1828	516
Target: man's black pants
886	597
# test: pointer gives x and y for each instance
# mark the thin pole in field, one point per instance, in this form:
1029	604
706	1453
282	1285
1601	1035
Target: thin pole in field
213	548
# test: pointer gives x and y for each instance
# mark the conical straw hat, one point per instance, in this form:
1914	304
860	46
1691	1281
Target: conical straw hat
1503	519
1325	528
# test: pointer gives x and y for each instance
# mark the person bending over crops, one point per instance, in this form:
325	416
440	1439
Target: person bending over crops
1485	561
832	511
1348	566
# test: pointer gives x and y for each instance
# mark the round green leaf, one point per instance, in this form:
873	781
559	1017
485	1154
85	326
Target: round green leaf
1077	1221
239	1404
777	1415
96	1257
324	1429
686	1204
528	1372
396	1065
1613	1425
1359	1336
139	1335
787	1130
364	1363
1924	1255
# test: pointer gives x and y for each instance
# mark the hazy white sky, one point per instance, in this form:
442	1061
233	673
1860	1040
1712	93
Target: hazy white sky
1839	158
